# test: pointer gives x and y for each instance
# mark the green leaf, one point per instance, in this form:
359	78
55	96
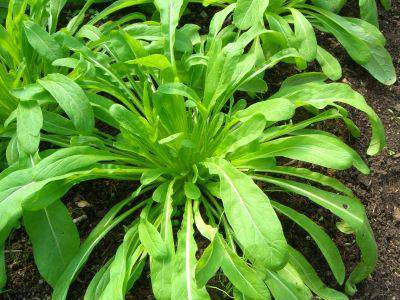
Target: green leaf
24	186
320	149
169	14
29	124
386	4
251	216
209	263
247	132
72	100
310	175
286	284
151	175
218	20
109	221
249	12
98	282
352	212
369	11
55	8
192	191
183	282
321	238
42	41
55	123
160	270
311	279
273	110
305	35
158	61
243	277
151	240
331	5
320	95
120	269
329	64
54	237
358	37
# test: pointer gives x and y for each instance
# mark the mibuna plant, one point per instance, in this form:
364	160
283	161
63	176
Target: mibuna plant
197	154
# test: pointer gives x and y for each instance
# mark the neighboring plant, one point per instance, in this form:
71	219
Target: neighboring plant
196	151
27	50
292	23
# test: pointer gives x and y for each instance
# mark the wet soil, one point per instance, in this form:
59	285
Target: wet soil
380	193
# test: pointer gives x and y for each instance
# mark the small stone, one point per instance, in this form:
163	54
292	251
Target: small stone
83	204
396	213
79	219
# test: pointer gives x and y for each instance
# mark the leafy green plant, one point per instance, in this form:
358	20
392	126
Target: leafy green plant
197	153
290	24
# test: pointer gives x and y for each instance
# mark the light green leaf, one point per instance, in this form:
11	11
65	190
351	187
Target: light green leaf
251	216
42	41
55	8
286	284
169	14
109	221
158	61
209	263
98	282
151	240
329	64
247	132
331	5
352	212
320	149
218	20
369	11
151	175
311	279
29	124
55	123
119	268
320	95
161	275
249	12
183	282
243	277
72	100
321	238
310	175
54	237
273	110
305	35
192	191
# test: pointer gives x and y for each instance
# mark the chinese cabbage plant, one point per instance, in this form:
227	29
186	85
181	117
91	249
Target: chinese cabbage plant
197	153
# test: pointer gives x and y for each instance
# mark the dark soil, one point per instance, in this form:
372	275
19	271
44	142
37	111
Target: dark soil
380	192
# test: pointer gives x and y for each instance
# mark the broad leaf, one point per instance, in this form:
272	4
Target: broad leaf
42	41
242	276
311	279
251	216
72	100
29	124
183	283
324	242
249	12
54	237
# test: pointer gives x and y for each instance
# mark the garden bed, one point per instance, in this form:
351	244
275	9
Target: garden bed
380	192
